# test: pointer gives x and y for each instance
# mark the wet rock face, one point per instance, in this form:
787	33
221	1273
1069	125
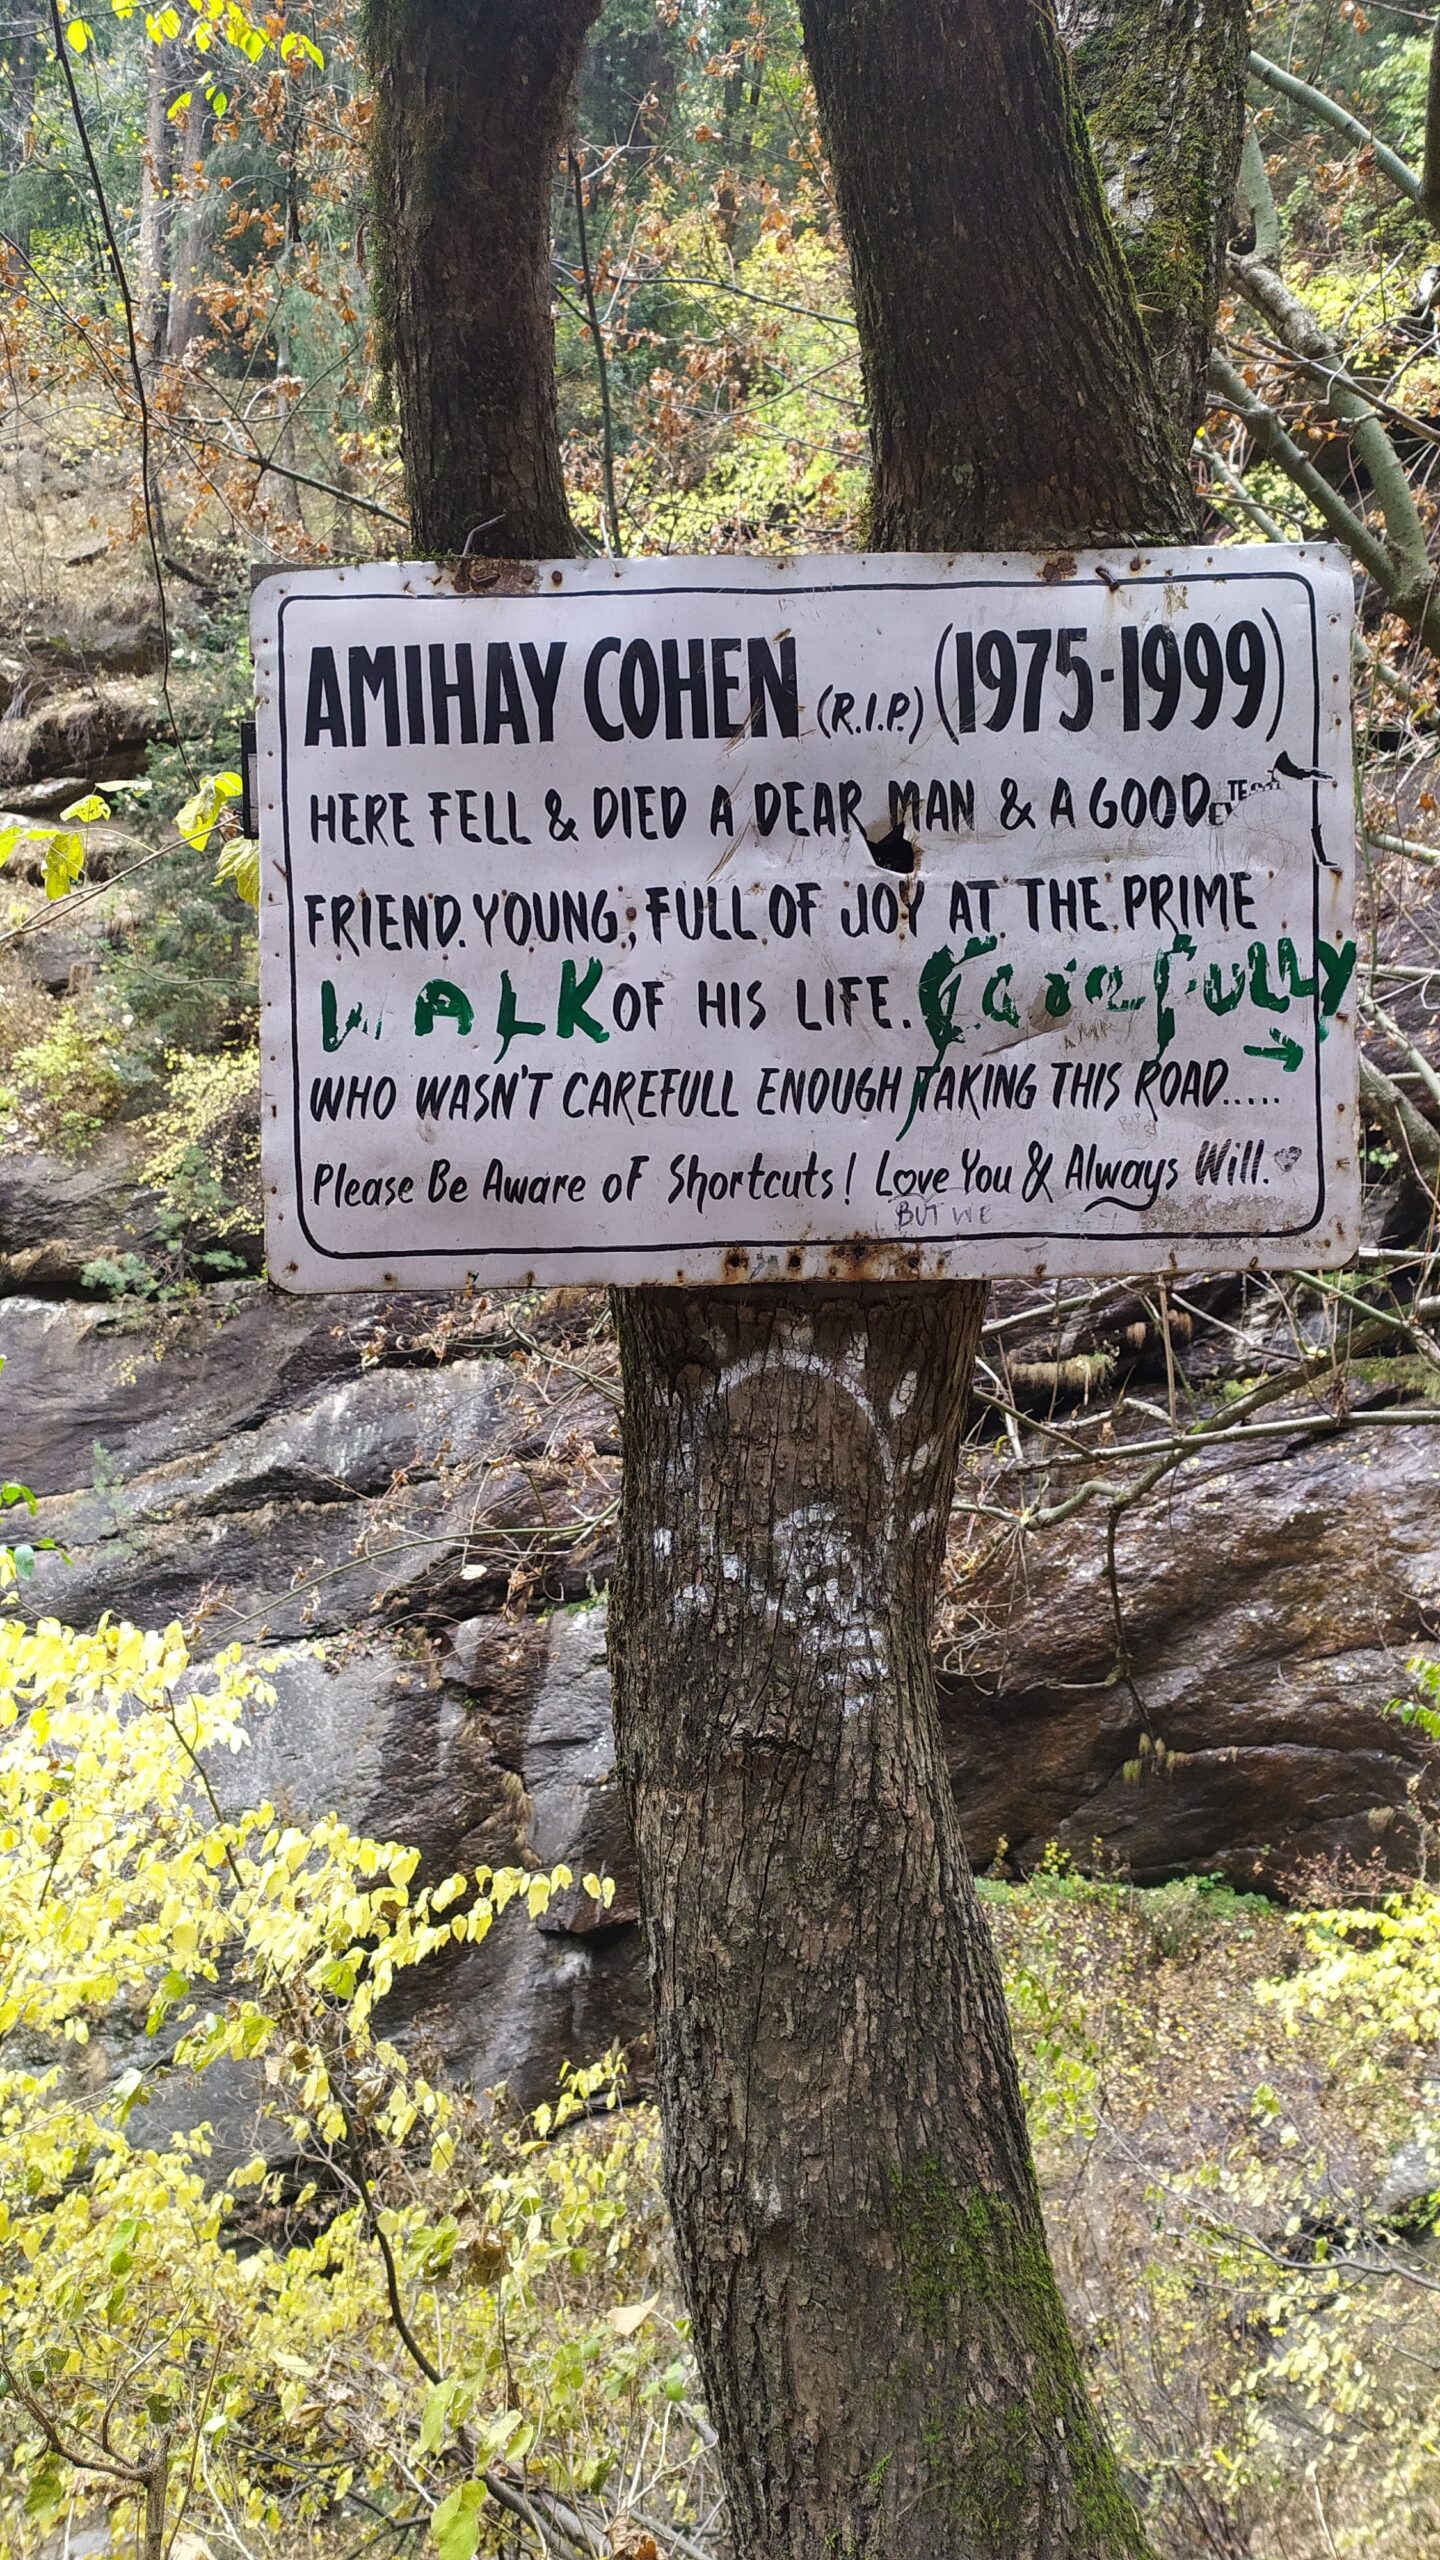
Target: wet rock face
370	1491
348	1485
1269	1602
57	1217
492	1748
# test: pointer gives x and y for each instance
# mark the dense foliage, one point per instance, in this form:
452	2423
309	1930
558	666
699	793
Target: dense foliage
394	2311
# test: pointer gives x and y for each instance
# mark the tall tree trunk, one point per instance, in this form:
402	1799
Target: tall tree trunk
19	61
20	56
1162	83
875	2313
471	98
157	203
885	2353
1010	399
185	315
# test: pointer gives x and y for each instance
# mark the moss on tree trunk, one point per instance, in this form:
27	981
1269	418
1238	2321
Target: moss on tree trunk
1010	399
1162	83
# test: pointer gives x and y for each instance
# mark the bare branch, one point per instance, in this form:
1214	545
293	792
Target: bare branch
1328	111
1347	525
1299	331
1430	181
1415	1142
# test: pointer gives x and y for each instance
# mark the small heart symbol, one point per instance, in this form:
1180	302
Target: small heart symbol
1286	1156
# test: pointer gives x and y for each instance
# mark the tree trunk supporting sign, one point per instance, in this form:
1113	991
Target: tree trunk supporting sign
877	2322
884	2350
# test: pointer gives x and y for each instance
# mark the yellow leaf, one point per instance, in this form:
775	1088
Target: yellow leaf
627	2317
64	862
239	866
197	820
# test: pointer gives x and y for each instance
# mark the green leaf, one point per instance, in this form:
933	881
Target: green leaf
83	813
128	2093
455	2524
45	2489
122	2248
436	2418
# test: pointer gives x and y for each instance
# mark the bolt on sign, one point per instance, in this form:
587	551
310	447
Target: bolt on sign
706	920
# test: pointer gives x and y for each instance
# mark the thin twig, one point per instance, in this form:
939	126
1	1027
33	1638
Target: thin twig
1405	845
612	510
137	369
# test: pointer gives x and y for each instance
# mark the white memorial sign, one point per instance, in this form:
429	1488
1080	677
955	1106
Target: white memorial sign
735	920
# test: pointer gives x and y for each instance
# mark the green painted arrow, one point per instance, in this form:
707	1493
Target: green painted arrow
1289	1054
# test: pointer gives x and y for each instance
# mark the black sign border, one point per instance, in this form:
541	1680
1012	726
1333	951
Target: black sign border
473	1257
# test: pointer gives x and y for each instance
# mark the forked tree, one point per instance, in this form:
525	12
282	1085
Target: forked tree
887	2360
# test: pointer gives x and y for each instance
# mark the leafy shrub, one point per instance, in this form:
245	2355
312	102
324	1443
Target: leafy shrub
403	2294
423	2311
204	1144
1233	2115
66	1085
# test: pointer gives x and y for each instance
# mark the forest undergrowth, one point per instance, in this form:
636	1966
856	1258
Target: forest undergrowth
413	2317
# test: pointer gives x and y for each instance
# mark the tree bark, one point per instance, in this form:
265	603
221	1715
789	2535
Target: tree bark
19	62
886	2359
185	314
1010	400
157	203
471	98
19	58
1162	83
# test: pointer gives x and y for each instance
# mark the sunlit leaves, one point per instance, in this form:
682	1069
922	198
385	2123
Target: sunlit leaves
218	21
62	847
455	2524
128	1894
64	862
201	814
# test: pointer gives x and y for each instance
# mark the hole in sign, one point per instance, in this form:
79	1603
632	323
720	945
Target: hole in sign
891	848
